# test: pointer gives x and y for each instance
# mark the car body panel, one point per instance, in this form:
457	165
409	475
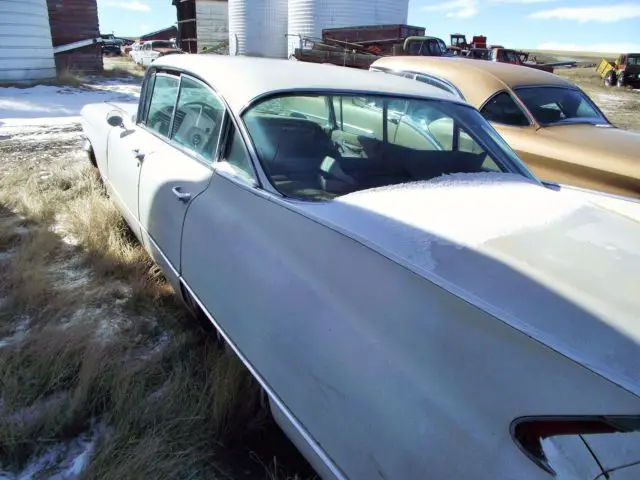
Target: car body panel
123	170
161	212
580	155
600	157
361	334
598	298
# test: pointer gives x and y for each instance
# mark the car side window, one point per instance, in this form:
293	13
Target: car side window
163	100
236	159
503	109
198	119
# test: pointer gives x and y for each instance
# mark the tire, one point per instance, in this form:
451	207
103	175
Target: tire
610	79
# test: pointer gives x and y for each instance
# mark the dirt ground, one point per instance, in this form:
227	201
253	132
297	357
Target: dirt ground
620	105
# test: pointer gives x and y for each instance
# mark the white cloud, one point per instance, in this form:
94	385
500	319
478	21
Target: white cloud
133	5
596	47
604	13
455	8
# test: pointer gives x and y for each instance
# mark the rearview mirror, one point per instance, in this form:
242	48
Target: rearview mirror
114	118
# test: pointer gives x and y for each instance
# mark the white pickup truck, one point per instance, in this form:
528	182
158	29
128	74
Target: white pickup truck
154	49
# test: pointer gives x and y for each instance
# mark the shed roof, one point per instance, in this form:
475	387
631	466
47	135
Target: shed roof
476	79
242	79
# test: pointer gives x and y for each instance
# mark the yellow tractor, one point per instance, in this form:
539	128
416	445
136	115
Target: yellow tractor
624	71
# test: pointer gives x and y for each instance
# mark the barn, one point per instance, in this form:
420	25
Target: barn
202	23
164	34
38	37
75	21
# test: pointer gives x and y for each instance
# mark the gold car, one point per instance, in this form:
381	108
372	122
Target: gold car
550	122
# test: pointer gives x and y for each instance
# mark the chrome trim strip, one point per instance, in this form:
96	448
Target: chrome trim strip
315	446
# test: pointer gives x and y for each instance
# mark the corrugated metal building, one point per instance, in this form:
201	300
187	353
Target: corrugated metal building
201	23
73	21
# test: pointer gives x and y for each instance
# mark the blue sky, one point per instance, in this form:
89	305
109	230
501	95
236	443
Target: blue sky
594	25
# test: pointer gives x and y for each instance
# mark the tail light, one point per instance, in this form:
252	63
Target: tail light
529	432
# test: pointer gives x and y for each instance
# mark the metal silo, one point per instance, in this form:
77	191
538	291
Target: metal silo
258	28
307	18
26	51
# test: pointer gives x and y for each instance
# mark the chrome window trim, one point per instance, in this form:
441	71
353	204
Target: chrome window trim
451	87
222	137
260	176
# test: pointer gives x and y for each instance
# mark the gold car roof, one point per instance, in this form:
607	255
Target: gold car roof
477	80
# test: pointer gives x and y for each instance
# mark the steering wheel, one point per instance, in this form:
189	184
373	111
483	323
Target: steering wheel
197	137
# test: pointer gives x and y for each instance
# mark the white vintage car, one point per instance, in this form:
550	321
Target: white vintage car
414	302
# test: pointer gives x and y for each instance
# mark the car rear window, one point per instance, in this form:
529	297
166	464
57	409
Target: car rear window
554	105
320	146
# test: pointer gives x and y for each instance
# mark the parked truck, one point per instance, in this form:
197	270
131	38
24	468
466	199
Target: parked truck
460	46
360	46
624	71
516	57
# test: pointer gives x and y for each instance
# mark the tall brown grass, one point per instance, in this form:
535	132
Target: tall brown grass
95	334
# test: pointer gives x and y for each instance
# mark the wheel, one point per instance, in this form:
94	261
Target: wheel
610	79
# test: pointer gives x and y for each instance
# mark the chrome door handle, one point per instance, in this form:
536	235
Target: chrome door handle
138	154
182	196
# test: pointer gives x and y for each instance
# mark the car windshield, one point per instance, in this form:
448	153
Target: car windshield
510	56
557	105
163	44
633	60
320	146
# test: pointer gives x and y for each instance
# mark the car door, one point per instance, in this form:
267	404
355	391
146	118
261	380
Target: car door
127	147
179	168
145	54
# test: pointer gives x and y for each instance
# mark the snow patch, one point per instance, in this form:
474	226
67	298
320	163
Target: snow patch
62	462
19	332
467	209
50	106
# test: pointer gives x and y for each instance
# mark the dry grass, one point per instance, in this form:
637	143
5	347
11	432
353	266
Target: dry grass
620	105
90	332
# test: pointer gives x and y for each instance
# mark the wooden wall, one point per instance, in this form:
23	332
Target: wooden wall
212	26
202	23
72	21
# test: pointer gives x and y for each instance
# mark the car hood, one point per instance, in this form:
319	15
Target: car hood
598	144
557	267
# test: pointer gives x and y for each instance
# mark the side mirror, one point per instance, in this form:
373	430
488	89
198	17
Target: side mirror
114	118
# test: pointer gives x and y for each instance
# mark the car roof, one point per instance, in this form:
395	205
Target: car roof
239	80
476	79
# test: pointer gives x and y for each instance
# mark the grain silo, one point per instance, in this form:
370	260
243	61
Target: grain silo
258	28
26	51
307	18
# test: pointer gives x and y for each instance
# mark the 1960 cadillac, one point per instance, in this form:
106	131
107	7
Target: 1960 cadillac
415	303
553	125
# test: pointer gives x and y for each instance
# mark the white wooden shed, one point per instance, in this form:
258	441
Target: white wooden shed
26	50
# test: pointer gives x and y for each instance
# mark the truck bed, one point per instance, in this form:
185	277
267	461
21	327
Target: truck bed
372	33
